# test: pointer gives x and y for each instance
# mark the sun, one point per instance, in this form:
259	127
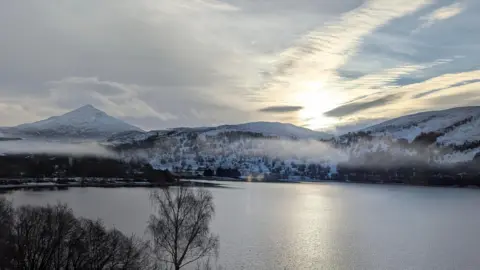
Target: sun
316	100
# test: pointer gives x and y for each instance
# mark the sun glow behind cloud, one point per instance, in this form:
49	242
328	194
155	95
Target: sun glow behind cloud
360	85
315	100
314	62
317	63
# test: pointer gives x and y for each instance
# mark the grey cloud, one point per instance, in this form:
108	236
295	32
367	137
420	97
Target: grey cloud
340	39
281	109
393	45
109	43
350	74
183	63
357	99
465	82
75	84
426	93
351	108
407	80
180	54
442	13
323	7
449	101
159	64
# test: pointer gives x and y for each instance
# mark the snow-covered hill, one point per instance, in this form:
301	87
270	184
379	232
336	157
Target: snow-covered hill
437	137
289	151
282	130
255	129
284	150
259	148
84	122
252	153
451	127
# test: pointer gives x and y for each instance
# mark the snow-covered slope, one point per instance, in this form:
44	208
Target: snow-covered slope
84	122
275	129
453	126
187	150
286	151
252	148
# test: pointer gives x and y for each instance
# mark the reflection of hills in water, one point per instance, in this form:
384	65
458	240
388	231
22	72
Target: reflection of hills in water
10	139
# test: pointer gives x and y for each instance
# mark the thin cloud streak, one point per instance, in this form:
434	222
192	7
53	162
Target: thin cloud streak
281	109
441	14
351	108
322	52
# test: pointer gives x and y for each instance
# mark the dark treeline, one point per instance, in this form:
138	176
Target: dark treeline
222	172
49	166
460	175
414	173
232	173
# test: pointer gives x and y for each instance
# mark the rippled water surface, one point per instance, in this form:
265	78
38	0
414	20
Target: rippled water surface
312	226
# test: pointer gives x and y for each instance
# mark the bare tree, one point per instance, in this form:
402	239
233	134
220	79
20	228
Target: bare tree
96	248
6	226
41	236
180	228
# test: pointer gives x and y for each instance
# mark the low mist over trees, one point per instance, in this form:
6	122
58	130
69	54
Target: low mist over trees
51	237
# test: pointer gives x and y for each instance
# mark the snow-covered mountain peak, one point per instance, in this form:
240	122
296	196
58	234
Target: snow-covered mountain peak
86	109
86	121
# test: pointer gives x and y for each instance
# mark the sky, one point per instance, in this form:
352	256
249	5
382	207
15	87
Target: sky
322	64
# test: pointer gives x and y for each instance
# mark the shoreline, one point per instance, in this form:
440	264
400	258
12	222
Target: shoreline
233	180
211	182
62	186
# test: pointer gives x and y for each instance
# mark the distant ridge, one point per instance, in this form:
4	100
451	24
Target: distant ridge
277	129
266	129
